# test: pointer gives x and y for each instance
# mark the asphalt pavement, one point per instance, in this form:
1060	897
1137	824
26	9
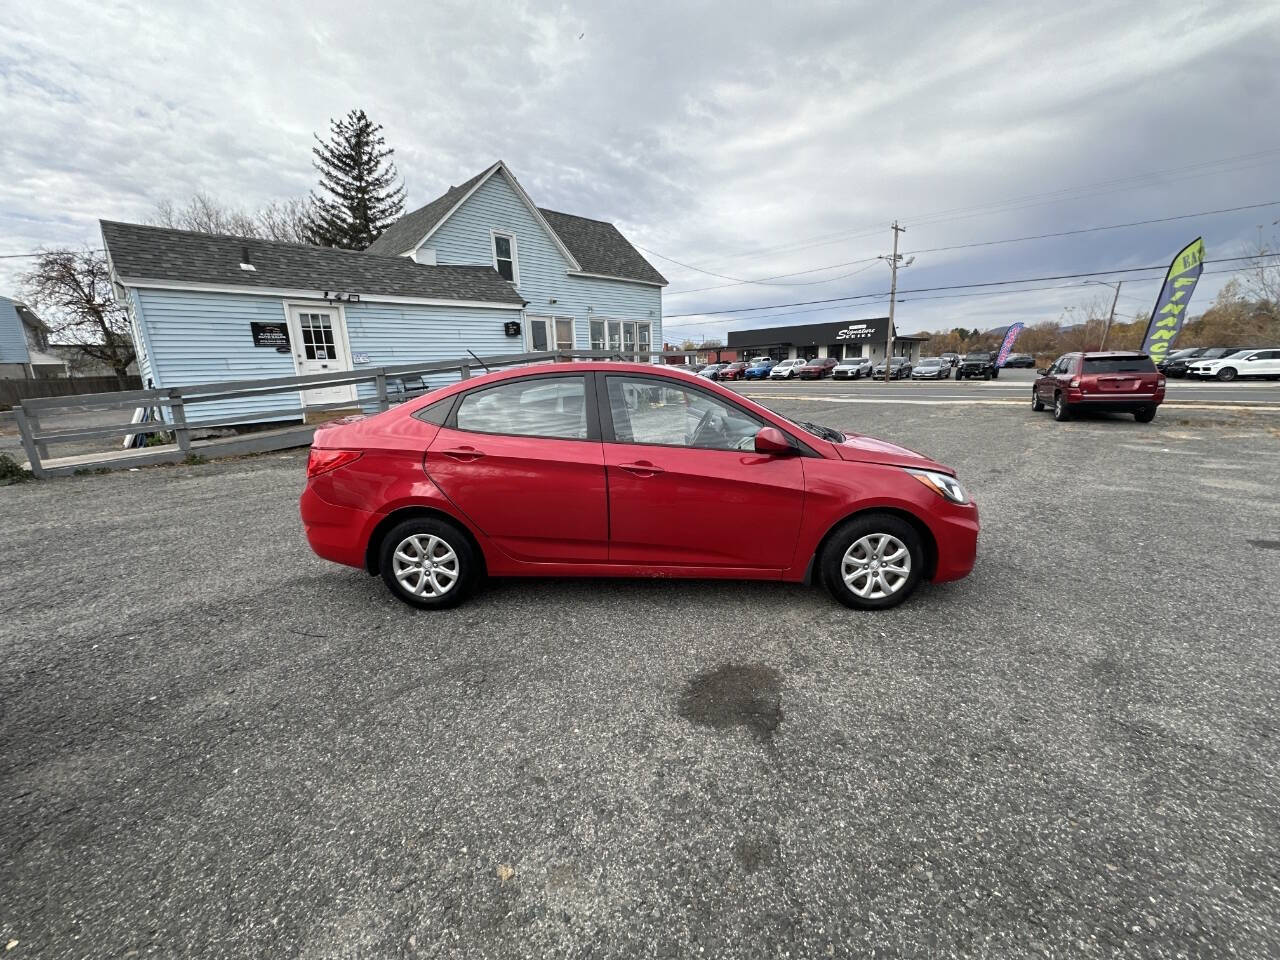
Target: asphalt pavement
215	744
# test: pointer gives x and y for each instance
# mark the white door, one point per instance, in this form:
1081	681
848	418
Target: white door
319	340
549	333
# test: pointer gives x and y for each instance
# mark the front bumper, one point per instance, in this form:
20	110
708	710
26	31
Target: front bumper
955	531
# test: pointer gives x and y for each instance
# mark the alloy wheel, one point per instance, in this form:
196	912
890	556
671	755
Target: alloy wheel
876	566
425	565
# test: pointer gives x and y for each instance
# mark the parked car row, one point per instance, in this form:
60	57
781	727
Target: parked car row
1223	363
969	366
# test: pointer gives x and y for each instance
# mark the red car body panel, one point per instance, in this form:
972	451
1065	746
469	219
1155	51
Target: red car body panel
551	507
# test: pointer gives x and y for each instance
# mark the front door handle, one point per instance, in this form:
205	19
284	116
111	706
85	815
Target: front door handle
463	454
642	468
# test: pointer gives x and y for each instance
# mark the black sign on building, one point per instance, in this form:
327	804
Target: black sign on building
270	334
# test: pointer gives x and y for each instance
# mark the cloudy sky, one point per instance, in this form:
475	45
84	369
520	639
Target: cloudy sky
744	141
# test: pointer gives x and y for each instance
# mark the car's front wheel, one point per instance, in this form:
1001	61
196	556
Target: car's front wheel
872	562
1227	374
1036	403
1061	411
428	563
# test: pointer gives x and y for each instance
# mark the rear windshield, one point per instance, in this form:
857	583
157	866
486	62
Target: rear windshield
1118	365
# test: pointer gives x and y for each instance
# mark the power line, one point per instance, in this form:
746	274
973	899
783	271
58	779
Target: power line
798	273
957	286
981	243
1112	226
1080	191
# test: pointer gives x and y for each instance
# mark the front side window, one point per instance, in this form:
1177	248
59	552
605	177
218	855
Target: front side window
504	256
544	407
650	412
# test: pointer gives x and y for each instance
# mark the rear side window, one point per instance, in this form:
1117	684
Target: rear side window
546	407
1119	365
437	412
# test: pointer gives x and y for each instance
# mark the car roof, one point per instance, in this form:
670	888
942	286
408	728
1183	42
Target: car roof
1111	353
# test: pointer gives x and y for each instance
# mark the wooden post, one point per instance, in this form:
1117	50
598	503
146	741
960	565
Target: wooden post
180	431
380	385
28	444
34	420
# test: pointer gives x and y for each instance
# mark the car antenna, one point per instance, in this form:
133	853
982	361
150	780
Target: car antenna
481	362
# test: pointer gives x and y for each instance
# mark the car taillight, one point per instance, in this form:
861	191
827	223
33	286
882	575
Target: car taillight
1159	381
322	461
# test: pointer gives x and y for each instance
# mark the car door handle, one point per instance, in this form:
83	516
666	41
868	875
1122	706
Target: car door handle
642	469
463	454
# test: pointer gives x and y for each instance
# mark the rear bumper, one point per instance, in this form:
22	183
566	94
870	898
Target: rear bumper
335	533
1114	401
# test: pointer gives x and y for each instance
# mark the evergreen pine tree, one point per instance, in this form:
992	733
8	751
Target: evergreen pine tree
359	196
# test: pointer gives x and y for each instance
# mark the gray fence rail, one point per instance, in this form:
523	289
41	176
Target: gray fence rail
178	403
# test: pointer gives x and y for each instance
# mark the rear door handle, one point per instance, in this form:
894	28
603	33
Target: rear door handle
463	454
641	469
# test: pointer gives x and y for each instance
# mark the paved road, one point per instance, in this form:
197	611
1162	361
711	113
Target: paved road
1012	385
214	744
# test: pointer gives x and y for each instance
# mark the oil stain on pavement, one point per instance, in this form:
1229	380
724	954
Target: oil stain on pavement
735	696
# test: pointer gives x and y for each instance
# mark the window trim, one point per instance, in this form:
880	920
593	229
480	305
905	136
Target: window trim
589	402
494	234
605	414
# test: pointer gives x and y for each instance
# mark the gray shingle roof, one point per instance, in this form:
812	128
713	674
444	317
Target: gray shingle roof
600	247
158	253
403	235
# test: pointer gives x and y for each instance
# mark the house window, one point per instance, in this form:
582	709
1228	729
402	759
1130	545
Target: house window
628	337
504	256
597	335
550	333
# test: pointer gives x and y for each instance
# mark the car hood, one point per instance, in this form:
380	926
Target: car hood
863	449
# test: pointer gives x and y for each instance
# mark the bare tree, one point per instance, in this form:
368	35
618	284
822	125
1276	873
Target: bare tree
72	291
278	220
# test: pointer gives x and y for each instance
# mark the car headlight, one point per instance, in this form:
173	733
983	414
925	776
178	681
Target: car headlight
942	484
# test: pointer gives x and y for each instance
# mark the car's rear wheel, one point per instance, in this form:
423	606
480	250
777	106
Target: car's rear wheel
872	562
1060	409
1145	415
1227	374
1036	403
428	563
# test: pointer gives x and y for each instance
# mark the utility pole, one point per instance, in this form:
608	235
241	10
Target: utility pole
893	295
1110	317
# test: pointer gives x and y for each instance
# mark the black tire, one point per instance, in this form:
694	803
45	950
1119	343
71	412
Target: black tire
959	375
1036	403
1227	374
995	374
1061	411
1145	415
846	536
467	564
986	375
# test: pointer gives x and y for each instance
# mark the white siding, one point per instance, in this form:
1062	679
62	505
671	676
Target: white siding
465	238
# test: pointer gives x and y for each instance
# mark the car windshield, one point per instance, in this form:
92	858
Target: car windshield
976	356
930	362
1238	353
1118	365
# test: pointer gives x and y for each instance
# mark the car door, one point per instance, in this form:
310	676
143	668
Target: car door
522	460
1265	363
686	487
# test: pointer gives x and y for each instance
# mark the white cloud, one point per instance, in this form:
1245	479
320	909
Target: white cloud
715	134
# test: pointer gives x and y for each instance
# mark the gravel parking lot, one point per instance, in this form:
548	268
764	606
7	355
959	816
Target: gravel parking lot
217	745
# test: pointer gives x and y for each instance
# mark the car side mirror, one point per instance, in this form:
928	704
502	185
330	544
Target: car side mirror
772	441
1043	371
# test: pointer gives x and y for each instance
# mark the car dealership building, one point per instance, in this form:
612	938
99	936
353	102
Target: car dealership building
842	339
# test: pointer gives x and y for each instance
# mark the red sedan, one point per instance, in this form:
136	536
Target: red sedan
622	469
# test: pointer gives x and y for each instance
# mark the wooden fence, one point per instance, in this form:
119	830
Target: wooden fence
11	391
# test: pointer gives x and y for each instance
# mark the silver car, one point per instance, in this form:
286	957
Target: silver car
786	369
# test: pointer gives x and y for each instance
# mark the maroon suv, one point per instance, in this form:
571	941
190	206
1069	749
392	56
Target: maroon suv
817	368
1115	381
733	371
